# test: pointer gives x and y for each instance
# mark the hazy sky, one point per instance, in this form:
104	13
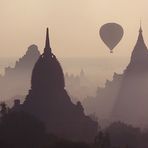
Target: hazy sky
74	25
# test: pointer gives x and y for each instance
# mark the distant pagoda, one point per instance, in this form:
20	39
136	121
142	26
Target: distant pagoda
49	101
132	100
125	98
15	82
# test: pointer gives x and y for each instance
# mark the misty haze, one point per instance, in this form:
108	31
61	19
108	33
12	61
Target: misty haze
74	74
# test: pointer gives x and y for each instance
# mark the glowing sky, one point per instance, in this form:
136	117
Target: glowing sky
74	25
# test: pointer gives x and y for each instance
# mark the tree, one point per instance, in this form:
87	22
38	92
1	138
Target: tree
122	135
4	109
18	129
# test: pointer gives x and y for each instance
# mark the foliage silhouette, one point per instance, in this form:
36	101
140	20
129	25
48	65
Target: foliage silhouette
18	129
102	140
123	135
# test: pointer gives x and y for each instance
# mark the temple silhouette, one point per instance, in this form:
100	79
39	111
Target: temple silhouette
16	80
48	101
79	85
132	99
125	98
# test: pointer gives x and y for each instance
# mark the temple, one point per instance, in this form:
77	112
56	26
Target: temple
48	101
125	98
15	81
132	102
139	55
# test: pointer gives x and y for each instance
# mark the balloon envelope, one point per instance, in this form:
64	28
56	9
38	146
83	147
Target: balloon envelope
111	34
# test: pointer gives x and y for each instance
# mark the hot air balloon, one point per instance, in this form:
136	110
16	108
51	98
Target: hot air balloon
111	34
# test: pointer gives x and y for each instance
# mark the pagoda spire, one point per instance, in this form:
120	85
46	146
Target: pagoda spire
140	52
140	30
140	37
47	49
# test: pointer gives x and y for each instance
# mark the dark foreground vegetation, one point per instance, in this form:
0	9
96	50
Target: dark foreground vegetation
21	130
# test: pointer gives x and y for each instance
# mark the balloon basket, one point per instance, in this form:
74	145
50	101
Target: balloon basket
111	51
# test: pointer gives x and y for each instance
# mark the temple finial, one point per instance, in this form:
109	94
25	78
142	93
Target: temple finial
140	30
47	43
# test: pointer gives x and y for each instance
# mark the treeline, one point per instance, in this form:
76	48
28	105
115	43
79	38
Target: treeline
21	130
